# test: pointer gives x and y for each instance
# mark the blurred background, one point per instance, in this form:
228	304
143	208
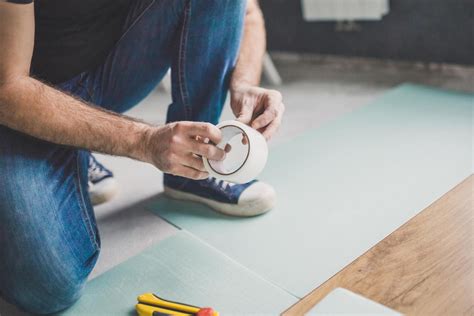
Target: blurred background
412	30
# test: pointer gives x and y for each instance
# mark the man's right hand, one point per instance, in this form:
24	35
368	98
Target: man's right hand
177	148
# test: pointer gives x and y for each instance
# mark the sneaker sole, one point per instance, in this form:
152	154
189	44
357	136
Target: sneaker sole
103	192
240	210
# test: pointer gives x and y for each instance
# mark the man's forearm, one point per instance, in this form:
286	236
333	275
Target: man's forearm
249	64
36	109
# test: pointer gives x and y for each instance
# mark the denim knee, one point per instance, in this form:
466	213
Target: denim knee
48	238
49	288
44	264
35	300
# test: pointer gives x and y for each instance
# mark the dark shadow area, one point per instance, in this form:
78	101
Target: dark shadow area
416	30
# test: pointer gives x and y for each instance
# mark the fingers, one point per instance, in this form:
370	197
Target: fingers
194	162
245	140
266	118
273	109
188	172
269	122
271	129
173	150
204	130
208	151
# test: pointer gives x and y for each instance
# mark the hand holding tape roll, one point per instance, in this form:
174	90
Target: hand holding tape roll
243	162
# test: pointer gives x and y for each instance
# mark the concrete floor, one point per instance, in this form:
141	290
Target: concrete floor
315	90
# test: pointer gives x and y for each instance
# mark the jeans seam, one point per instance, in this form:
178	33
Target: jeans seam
135	21
182	63
82	206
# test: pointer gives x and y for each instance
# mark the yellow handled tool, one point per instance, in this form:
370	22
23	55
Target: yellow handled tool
150	304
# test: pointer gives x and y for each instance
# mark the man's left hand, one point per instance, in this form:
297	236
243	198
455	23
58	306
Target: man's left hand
258	107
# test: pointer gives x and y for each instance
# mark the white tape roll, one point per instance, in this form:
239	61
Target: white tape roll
244	162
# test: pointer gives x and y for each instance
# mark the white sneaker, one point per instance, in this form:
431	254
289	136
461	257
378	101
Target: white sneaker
102	185
249	199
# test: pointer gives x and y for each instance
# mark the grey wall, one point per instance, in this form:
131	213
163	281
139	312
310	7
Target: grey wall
421	30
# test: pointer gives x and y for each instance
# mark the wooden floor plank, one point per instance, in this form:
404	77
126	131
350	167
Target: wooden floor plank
423	268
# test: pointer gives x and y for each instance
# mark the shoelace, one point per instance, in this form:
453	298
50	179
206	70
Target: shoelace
220	183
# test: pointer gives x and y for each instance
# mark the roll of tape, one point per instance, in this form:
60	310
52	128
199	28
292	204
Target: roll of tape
243	162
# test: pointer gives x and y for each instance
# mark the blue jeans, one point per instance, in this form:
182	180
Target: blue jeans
49	240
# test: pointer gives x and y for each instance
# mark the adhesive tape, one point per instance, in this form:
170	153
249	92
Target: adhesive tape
243	162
